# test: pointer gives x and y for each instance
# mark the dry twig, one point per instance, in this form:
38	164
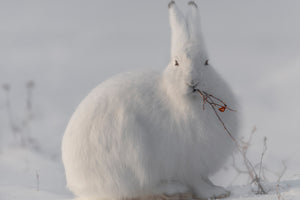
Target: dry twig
21	129
279	196
215	103
37	180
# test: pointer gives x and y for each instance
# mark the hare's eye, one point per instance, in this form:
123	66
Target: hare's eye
176	63
206	62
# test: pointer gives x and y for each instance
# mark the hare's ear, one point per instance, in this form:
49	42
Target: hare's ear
179	28
193	21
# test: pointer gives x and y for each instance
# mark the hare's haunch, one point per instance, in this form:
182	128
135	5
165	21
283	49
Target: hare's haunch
145	134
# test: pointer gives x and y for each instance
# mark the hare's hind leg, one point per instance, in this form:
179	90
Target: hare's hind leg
172	190
167	191
205	189
184	196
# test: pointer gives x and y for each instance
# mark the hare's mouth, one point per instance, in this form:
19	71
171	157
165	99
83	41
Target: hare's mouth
193	87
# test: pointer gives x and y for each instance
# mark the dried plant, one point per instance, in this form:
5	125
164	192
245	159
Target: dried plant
280	175
37	175
21	129
219	105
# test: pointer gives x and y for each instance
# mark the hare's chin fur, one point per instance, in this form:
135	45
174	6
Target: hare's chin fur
192	93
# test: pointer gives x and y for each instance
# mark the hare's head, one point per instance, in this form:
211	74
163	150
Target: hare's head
189	60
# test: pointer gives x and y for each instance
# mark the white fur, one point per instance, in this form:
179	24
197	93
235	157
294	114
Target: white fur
145	133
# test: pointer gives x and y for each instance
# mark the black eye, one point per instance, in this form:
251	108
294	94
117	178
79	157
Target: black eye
206	62
176	63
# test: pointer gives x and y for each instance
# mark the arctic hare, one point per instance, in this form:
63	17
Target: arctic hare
142	134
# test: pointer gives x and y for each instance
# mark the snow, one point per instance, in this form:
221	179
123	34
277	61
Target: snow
68	47
286	190
23	193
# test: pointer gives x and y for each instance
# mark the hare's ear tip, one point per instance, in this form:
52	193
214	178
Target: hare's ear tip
192	3
171	4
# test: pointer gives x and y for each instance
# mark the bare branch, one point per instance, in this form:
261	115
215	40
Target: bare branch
214	103
262	156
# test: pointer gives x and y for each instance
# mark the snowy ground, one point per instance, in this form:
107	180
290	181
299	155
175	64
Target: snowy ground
68	47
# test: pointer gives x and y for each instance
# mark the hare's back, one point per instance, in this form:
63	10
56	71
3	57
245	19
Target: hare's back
131	89
121	96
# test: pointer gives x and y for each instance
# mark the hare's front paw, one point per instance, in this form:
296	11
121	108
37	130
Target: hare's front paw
172	188
206	190
215	192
